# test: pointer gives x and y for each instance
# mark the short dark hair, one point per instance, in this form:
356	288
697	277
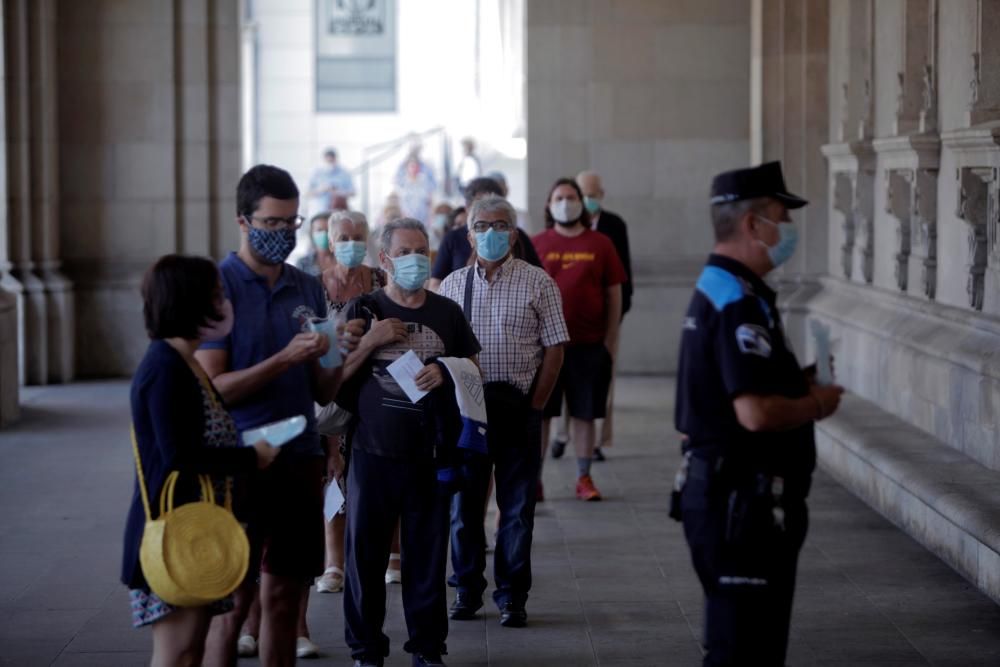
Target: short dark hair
263	180
178	296
453	216
322	215
726	216
550	222
480	186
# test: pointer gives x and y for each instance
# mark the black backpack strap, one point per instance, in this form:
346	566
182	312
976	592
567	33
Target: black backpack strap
467	308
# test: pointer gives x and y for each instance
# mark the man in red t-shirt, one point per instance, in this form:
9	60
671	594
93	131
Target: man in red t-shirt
586	267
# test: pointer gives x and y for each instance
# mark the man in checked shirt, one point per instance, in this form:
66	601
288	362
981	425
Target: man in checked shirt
515	310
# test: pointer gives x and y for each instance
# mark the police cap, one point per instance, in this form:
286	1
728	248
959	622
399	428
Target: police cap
765	180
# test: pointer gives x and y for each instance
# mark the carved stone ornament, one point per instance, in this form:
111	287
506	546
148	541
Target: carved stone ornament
865	122
928	110
898	203
864	221
976	189
845	113
900	97
975	82
923	216
843	203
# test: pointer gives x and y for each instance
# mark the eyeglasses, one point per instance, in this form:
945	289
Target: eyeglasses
499	225
293	222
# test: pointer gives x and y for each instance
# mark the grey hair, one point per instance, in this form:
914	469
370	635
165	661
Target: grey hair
491	203
726	217
357	217
399	223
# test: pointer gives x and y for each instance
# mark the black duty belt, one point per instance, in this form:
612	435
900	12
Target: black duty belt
724	474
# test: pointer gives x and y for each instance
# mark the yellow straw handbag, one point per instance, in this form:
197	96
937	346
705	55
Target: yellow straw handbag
193	554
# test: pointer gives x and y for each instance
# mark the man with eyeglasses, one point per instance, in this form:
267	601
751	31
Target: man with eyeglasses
266	370
516	313
455	249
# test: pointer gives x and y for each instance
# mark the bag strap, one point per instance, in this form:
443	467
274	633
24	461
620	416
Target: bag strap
142	478
207	490
167	493
467	308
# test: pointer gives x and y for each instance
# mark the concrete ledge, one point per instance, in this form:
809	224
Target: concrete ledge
933	366
939	496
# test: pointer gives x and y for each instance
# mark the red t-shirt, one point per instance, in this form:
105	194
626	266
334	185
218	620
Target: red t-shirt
583	267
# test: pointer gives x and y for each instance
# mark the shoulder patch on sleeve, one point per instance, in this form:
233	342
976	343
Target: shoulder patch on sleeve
719	286
753	339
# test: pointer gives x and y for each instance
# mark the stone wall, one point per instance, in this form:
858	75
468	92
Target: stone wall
654	96
906	274
147	156
914	200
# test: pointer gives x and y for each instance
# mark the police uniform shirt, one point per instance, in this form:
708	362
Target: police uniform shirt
733	343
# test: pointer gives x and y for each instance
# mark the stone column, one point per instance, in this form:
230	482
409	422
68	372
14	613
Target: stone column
33	310
984	85
45	193
149	146
10	367
46	316
908	148
790	46
850	155
654	96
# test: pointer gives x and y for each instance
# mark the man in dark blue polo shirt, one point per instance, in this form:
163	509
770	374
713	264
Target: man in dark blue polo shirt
747	409
267	369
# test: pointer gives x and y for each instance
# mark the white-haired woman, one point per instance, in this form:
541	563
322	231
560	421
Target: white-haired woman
349	276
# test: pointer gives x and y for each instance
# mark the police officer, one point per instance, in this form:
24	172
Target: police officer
747	409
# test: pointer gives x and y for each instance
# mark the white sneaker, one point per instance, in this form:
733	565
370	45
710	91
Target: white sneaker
394	575
332	581
304	648
246	646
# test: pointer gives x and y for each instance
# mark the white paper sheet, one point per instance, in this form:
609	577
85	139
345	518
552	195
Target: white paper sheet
403	370
333	500
276	433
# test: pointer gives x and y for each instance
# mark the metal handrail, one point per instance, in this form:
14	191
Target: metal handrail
398	141
388	149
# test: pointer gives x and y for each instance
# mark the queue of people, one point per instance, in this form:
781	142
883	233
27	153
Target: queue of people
419	387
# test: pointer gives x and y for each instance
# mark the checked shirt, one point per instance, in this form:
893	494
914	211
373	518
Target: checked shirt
514	317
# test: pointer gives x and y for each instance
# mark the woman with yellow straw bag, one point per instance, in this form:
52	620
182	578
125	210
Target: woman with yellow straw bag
180	426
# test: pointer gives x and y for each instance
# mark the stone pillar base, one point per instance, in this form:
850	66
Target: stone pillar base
10	408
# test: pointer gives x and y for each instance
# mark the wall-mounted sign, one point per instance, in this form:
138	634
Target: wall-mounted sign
355	55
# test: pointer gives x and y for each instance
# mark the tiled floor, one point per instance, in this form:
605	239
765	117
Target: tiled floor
613	583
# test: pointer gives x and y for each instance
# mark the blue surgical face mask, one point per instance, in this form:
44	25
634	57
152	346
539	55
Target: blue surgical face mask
350	253
788	239
492	245
593	204
272	246
322	240
411	271
440	221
